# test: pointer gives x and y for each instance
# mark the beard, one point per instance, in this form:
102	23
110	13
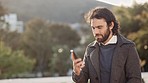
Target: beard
102	38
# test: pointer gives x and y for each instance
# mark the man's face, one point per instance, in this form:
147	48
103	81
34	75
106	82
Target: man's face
100	29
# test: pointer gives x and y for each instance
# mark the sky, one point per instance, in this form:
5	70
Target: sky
127	3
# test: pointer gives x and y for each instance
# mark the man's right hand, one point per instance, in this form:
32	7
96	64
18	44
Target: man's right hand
78	64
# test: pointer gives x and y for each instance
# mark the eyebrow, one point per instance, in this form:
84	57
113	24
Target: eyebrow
97	26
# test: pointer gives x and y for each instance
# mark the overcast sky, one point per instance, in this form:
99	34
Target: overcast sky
123	2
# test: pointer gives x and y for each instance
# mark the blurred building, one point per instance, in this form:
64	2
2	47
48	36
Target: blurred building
12	23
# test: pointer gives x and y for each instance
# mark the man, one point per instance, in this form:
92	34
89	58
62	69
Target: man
111	58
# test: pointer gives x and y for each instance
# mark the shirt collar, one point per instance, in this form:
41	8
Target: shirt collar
113	40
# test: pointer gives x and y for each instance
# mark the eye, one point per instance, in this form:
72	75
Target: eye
99	27
93	27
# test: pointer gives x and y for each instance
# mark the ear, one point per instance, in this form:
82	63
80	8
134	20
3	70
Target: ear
111	25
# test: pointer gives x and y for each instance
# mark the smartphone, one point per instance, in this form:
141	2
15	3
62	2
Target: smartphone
73	55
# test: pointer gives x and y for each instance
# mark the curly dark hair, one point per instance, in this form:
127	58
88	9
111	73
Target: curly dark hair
104	13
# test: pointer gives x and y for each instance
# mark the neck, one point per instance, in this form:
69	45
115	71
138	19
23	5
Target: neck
110	36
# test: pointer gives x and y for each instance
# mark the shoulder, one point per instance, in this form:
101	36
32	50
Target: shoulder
90	47
92	44
124	41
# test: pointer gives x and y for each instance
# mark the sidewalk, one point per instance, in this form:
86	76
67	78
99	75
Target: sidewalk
64	79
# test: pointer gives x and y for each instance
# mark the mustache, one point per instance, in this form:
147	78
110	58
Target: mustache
98	35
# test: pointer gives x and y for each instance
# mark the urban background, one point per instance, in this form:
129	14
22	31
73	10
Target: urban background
36	36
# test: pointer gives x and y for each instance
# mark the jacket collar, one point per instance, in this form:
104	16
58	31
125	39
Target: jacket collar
120	41
113	40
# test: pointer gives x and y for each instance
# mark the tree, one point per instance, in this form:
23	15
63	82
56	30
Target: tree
42	39
61	62
3	10
36	43
13	62
62	34
63	39
11	38
132	19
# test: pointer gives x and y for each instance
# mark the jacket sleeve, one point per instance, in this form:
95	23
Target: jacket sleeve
83	77
133	69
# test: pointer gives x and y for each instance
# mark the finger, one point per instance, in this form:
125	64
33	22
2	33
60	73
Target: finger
77	60
83	65
73	57
79	63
